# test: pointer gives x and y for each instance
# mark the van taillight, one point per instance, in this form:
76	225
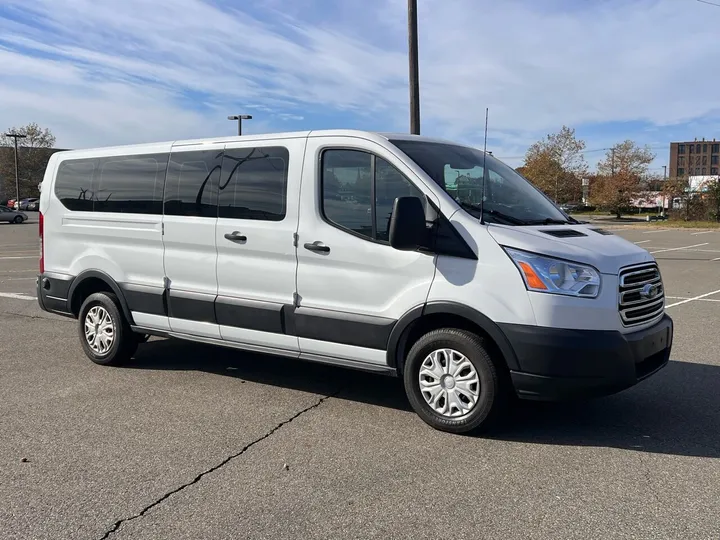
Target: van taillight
42	244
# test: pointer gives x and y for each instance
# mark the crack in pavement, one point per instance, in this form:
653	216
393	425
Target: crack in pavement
39	317
647	473
224	462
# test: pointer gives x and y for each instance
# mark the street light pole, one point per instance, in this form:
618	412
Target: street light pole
16	136
414	69
240	118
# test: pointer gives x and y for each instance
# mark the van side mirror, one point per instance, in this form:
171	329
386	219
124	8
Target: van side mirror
407	224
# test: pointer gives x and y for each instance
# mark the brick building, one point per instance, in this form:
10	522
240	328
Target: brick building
694	158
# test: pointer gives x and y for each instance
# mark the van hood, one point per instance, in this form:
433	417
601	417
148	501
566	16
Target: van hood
582	243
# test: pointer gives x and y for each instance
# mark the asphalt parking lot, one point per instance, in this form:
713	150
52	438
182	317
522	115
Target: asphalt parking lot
191	441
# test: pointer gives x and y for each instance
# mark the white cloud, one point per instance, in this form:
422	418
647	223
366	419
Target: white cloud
105	72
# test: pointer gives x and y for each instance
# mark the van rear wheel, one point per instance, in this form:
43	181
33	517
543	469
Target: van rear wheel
105	335
452	382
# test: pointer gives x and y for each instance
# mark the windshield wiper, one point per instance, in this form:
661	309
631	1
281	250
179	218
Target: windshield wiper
549	221
494	213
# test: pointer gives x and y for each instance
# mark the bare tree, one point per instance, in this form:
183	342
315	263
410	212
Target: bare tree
34	152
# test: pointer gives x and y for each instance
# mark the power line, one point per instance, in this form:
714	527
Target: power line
651	147
709	3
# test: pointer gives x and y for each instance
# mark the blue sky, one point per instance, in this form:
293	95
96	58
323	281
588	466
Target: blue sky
103	72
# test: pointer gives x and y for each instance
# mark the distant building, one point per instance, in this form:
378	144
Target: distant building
694	158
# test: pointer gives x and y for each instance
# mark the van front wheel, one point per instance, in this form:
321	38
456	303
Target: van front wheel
105	335
451	381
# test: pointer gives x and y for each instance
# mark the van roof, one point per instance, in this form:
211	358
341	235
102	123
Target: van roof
166	146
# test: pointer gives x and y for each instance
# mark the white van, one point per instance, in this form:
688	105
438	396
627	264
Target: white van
397	254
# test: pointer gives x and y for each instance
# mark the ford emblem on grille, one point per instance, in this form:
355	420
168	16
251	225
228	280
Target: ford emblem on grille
650	290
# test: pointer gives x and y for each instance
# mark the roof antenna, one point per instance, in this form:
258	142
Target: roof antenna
482	190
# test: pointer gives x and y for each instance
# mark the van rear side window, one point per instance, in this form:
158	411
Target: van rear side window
192	182
74	184
254	184
132	184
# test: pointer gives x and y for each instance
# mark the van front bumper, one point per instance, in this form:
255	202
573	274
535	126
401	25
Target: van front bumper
557	364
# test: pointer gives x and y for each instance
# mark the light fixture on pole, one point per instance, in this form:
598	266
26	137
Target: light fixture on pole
240	118
16	136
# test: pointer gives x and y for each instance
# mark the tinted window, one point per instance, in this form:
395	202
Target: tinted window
681	149
192	183
715	148
253	184
131	184
347	189
697	148
704	148
74	184
713	170
389	185
681	172
714	160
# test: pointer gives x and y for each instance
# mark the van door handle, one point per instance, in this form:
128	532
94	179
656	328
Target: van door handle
235	236
317	246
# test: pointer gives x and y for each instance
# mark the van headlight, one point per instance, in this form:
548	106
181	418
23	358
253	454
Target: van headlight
555	276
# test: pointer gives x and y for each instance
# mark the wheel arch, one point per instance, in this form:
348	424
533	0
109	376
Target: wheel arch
92	281
422	319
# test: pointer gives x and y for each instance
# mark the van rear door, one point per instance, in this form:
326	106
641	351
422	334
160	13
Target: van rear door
189	221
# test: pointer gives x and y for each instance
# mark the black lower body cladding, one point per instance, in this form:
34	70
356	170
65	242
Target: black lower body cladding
558	364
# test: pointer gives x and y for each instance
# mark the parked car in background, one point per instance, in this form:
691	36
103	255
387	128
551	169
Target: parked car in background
33	206
10	203
11	216
22	204
569	207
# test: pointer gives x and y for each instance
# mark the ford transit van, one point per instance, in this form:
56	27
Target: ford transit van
398	254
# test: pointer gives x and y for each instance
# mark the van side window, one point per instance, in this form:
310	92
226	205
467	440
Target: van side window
253	184
349	179
192	183
74	184
131	184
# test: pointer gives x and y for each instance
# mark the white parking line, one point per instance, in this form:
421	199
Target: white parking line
692	299
697	300
17	296
701	232
679	248
718	259
8	258
3	280
643	241
653	232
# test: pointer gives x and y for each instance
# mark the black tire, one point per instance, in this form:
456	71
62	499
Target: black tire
493	392
18	220
124	343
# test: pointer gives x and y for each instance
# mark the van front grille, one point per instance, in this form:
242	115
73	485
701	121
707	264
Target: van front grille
642	295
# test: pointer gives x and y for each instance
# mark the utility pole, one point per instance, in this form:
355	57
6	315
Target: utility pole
413	64
612	162
240	118
16	136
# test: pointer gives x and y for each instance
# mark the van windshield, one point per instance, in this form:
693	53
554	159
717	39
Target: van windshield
508	197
